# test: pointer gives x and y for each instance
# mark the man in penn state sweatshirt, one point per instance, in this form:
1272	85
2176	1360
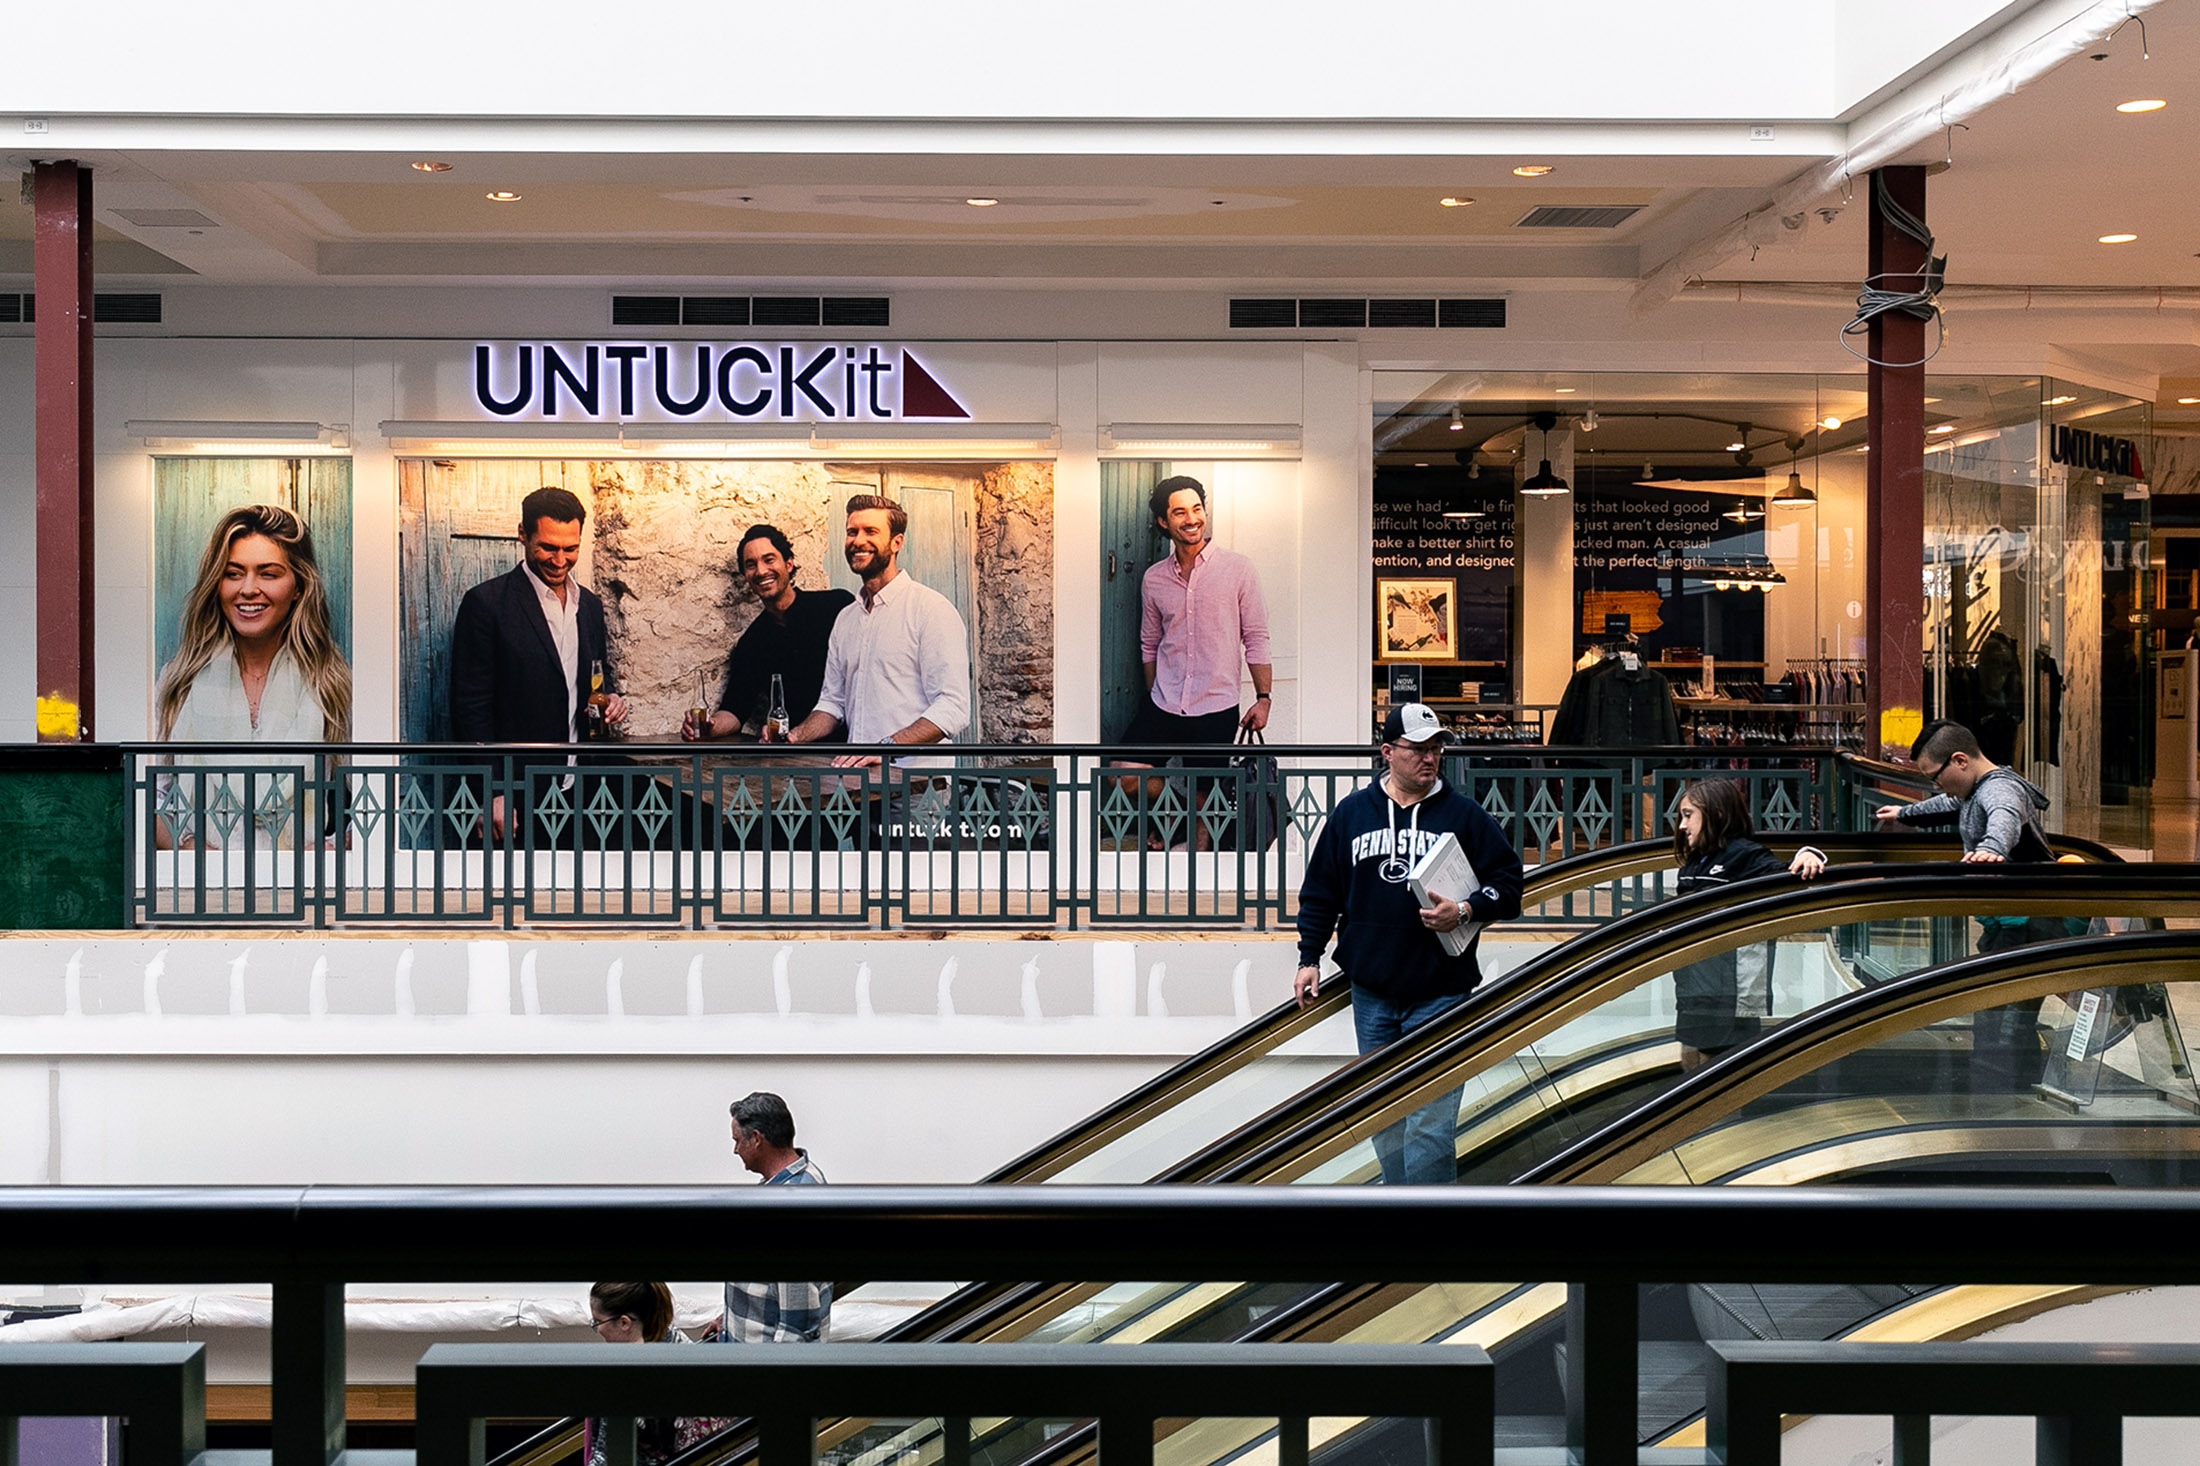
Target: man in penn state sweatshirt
1386	940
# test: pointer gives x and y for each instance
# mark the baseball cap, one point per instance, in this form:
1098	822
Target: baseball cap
1413	722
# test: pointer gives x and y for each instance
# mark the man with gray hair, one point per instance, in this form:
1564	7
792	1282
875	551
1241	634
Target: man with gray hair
897	669
774	1313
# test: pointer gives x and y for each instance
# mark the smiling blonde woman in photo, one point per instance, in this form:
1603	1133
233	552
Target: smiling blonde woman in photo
258	662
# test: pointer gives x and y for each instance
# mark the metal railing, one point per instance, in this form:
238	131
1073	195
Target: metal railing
309	1242
670	836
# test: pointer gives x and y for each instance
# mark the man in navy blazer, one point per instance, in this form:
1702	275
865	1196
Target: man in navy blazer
523	642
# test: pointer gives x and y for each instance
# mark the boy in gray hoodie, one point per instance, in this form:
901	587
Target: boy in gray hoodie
1996	810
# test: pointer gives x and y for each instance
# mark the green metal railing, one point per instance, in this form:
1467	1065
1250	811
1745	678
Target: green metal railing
1059	836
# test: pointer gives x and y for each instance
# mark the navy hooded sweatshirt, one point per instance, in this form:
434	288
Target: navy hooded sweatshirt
1356	886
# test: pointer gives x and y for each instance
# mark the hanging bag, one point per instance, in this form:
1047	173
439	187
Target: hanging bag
1259	792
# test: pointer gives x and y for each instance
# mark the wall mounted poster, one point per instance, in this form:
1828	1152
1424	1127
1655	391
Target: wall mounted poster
1419	620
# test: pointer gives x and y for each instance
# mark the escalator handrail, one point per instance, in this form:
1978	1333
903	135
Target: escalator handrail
1546	883
1537	996
1285	1021
1628	945
1770	1060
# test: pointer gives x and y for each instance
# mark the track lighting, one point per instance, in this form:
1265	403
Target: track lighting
1458	420
1589	421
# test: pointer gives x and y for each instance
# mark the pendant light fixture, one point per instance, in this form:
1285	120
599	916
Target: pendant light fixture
1743	512
1794	494
1544	484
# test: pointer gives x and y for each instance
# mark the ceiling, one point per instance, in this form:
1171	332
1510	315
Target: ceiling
2034	181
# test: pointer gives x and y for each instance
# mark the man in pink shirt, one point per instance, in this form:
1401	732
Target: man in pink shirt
1202	618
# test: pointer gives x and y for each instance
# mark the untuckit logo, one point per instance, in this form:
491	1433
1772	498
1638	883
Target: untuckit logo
776	381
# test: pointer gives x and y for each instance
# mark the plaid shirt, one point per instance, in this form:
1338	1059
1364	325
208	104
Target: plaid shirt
781	1313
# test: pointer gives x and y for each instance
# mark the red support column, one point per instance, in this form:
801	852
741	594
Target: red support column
61	262
1894	499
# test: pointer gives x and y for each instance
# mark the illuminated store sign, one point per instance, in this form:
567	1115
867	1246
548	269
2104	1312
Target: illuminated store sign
806	381
2102	454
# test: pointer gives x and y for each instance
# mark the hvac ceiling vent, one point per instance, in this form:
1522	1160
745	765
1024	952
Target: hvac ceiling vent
714	310
858	310
1333	314
785	310
1263	315
131	309
1486	315
645	310
1401	314
126	310
166	218
1579	216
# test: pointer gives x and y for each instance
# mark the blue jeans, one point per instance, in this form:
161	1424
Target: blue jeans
1421	1149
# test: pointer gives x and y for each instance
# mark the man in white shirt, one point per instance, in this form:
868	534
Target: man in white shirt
897	669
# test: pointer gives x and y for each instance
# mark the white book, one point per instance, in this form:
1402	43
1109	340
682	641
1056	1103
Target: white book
1445	871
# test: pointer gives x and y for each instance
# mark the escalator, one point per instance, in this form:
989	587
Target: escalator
1532	1047
1510	1041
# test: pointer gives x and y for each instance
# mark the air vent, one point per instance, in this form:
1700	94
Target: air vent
645	310
1333	314
785	310
14	309
1401	313
1486	315
166	218
1263	315
1272	315
127	310
1580	216
714	310
858	310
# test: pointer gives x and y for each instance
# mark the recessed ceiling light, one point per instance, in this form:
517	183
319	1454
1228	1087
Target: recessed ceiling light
426	167
981	203
1565	391
2059	401
2187	401
2118	238
1455	201
1829	423
2146	104
503	196
1532	170
1946	427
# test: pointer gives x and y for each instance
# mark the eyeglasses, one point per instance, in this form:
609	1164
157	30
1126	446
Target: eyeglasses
1933	774
600	1324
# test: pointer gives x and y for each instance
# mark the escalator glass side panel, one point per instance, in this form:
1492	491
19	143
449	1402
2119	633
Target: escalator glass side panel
2093	1086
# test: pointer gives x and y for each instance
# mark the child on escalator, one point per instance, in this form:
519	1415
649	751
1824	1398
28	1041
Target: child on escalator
1722	1000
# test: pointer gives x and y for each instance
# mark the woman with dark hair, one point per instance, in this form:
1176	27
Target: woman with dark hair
258	663
641	1313
633	1313
1723	999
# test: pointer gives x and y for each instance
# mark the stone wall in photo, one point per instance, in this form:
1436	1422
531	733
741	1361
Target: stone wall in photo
663	544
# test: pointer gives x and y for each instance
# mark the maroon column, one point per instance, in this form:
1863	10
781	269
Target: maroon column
62	266
1894	497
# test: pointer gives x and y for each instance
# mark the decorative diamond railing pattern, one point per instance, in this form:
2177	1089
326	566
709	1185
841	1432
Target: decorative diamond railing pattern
1007	835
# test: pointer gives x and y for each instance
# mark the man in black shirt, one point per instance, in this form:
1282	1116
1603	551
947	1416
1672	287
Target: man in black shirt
789	636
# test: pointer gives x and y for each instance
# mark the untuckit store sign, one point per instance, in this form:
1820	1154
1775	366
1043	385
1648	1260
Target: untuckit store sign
808	381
